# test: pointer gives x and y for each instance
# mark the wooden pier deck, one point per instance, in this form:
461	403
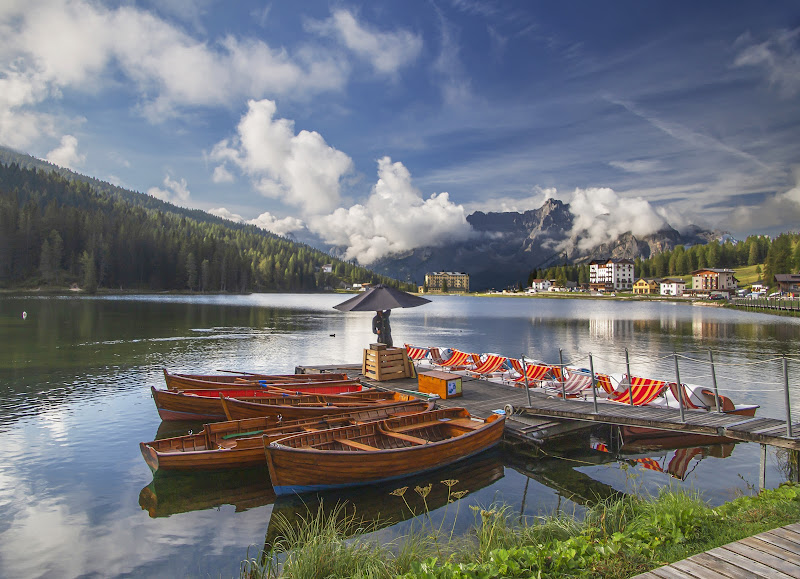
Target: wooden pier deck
774	555
550	416
481	398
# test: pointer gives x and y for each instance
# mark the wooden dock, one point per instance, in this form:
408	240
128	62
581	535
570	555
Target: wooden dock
548	416
774	555
481	398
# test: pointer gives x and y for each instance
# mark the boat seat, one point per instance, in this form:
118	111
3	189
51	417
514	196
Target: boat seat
354	444
406	437
464	423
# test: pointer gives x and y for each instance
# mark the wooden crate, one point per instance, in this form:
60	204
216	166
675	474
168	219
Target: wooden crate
441	383
386	364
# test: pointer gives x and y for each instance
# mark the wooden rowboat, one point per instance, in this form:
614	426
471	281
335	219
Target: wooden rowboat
201	406
288	408
378	451
194	381
238	443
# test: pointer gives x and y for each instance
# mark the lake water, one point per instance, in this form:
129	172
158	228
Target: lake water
77	499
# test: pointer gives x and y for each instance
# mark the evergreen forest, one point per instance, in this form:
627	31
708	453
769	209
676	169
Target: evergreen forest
59	232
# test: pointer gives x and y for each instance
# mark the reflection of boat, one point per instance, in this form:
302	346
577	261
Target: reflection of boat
172	493
383	505
291	381
378	451
240	443
210	405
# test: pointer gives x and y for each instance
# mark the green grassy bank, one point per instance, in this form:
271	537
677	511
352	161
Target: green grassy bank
616	539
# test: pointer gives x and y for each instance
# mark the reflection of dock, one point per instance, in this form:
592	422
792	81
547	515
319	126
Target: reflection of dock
546	417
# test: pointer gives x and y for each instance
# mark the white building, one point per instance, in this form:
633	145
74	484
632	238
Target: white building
710	279
541	285
673	286
611	275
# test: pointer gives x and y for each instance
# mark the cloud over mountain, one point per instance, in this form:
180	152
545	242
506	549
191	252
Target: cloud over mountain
395	218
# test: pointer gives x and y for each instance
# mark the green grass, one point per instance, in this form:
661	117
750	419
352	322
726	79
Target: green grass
616	539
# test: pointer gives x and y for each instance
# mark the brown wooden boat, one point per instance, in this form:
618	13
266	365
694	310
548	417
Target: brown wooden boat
194	381
288	408
238	443
378	451
183	406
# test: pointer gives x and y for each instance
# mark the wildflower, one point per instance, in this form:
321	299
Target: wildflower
450	482
399	492
423	491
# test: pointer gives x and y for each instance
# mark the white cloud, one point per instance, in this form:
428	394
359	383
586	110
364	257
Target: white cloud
779	58
535	200
394	219
300	169
637	166
175	192
387	52
448	69
66	155
225	214
222	175
781	209
51	46
600	216
278	226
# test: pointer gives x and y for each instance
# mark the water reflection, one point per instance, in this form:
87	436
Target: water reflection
171	493
384	505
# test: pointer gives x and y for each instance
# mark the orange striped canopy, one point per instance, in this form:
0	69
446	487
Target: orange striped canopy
457	358
416	353
492	363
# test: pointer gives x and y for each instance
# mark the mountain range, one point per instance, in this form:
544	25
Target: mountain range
505	247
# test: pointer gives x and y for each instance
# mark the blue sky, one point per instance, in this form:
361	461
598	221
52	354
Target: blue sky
379	126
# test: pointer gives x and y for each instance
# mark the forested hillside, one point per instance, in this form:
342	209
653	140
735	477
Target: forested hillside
57	232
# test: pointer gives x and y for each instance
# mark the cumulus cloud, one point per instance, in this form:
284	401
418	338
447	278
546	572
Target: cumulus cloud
781	209
50	46
175	192
300	169
778	56
395	218
387	52
278	226
600	216
538	196
66	155
222	175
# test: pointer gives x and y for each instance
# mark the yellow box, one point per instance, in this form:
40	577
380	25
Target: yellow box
442	383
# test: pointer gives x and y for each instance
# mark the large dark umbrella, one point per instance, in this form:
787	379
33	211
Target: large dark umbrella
380	297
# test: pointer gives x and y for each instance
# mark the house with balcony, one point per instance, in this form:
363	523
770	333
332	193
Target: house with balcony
608	275
647	286
672	286
705	281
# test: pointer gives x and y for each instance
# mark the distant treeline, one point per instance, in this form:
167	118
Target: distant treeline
55	231
779	255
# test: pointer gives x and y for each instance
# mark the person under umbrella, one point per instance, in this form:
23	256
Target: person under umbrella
381	299
381	327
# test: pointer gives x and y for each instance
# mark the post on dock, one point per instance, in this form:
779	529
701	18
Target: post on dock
594	382
794	465
762	470
714	381
679	387
786	395
525	374
628	368
563	381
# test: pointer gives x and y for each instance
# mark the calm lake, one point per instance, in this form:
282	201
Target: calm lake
78	500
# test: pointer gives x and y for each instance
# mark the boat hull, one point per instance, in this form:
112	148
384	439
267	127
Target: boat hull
192	381
238	409
240	443
298	470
